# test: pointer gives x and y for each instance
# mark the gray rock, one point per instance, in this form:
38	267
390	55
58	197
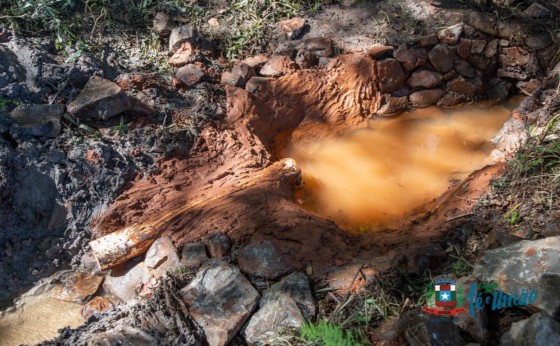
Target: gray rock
424	79
462	86
422	329
319	47
100	99
39	120
392	105
194	255
162	256
450	35
126	285
410	58
475	326
441	58
220	299
526	265
538	330
190	75
464	68
390	74
539	41
425	98
277	66
162	24
293	27
491	48
244	71
180	35
288	303
219	245
263	260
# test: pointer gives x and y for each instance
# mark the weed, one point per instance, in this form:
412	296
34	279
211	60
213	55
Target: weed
327	334
6	104
512	216
120	129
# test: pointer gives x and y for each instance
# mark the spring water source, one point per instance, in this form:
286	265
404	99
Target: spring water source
375	177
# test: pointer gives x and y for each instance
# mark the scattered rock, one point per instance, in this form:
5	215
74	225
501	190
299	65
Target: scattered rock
163	24
477	46
287	304
451	99
528	88
425	98
464	68
263	260
305	59
190	75
219	245
462	86
229	78
482	22
76	287
491	48
552	225
536	11
320	47
194	256
487	65
441	58
428	40
162	255
512	72
422	329
220	299
392	105
424	79
256	61
464	48
101	99
514	56
5	35
538	41
124	284
293	27
277	66
180	35
450	35
526	265
139	108
95	307
353	277
182	56
244	71
256	84
538	330
390	75
410	58
504	43
39	120
214	22
379	50
474	326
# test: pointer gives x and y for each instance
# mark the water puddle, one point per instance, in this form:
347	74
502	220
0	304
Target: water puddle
377	177
39	314
38	319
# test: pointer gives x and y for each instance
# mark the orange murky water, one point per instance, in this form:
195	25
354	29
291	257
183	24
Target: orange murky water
38	320
376	177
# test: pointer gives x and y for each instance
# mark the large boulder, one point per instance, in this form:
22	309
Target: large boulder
101	99
287	304
220	299
422	329
475	325
263	260
526	265
538	330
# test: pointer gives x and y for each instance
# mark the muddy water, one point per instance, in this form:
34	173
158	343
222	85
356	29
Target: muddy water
37	319
379	176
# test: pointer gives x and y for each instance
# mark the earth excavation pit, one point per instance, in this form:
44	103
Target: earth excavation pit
235	181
